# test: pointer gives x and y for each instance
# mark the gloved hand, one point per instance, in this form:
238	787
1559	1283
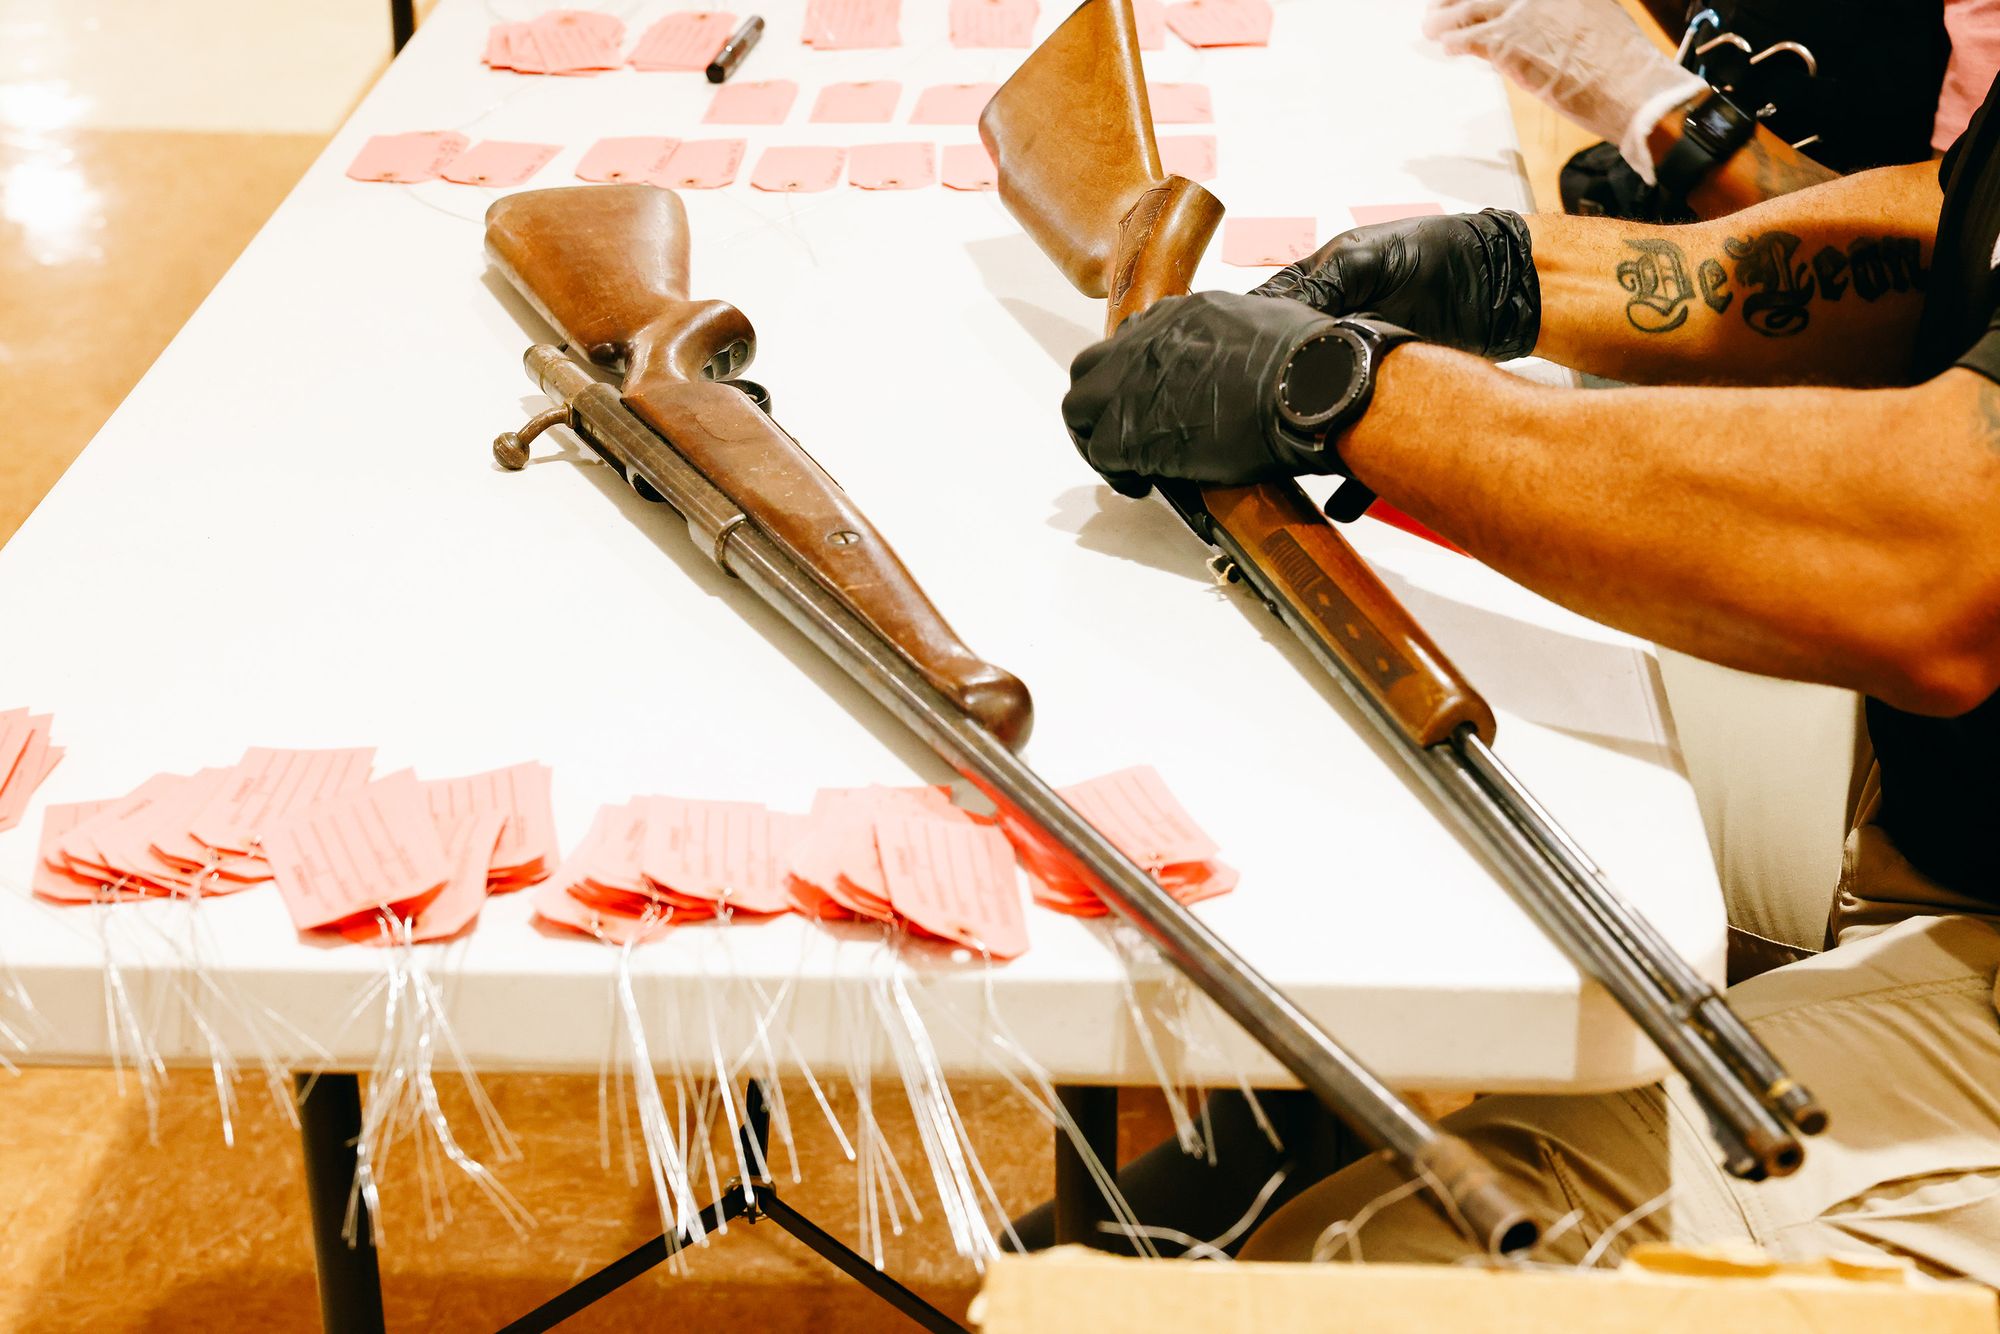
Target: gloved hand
1585	58
1189	388
1465	280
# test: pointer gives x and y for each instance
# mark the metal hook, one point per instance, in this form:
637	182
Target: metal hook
1777	48
1693	26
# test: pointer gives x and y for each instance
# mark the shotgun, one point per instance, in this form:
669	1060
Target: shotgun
1072	135
607	267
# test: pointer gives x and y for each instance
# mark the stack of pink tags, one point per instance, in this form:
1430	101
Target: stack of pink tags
26	758
1134	809
687	40
562	41
346	853
883	854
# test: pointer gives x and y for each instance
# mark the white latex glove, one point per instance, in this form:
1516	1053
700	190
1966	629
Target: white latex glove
1585	58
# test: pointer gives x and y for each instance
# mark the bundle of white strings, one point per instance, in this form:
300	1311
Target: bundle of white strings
403	1102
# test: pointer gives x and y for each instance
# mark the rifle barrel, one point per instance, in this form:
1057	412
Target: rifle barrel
1470	1190
1609	943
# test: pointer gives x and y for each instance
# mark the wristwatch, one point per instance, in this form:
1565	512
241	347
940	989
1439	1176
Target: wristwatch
1323	388
1714	129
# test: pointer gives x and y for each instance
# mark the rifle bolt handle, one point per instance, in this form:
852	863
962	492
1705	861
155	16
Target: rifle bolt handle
510	448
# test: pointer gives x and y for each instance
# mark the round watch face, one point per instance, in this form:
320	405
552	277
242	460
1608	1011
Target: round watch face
1320	379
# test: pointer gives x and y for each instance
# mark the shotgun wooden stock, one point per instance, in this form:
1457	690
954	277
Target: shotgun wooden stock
1072	134
607	266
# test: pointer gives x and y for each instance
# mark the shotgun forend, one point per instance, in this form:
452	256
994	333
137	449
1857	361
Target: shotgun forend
607	266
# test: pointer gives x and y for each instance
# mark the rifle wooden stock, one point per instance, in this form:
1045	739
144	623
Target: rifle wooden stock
608	267
1080	170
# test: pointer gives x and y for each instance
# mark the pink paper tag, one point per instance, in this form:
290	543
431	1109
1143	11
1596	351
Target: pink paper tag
362	850
1133	808
519	796
798	170
985	23
405	158
766	103
1180	103
892	166
130	844
618	845
1268	242
273	785
1366	214
970	167
53	878
953	104
702	164
846	25
733	853
556	904
15	732
468	844
872	103
1189	155
578	41
26	759
955	881
1221	22
686	40
497	163
639	159
835	861
1151	16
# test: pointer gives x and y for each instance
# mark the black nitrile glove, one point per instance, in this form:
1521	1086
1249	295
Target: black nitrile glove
1188	389
1466	280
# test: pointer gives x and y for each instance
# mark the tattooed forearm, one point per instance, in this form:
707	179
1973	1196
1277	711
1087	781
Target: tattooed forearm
1989	414
1777	286
1783	169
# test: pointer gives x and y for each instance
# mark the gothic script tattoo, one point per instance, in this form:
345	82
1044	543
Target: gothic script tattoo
1658	282
1778	287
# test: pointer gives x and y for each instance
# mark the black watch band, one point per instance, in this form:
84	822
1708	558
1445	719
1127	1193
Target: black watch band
1325	387
1713	130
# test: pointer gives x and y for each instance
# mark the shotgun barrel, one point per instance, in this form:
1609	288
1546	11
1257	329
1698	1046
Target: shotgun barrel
713	467
1072	135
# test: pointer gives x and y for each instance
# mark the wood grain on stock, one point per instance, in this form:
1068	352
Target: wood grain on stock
607	266
1348	609
1072	134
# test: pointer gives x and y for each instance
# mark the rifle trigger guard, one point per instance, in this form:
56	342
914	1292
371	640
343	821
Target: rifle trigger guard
720	551
510	448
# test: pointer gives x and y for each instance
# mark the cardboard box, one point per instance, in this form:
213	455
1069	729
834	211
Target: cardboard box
1659	1290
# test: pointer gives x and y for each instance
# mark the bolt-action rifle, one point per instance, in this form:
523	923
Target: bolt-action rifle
1072	134
607	267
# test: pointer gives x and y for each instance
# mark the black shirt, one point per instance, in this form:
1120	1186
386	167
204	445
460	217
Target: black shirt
1941	776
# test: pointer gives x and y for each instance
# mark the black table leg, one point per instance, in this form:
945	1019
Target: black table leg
402	21
350	1285
1080	1205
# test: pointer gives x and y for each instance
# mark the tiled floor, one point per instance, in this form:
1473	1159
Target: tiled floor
142	142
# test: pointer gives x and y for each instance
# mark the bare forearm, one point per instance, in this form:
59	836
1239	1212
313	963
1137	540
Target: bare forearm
1810	533
1825	285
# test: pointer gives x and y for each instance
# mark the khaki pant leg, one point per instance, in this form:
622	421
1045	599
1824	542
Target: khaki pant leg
1771	764
1898	1036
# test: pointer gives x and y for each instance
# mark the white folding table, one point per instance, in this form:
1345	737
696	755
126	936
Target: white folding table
292	533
